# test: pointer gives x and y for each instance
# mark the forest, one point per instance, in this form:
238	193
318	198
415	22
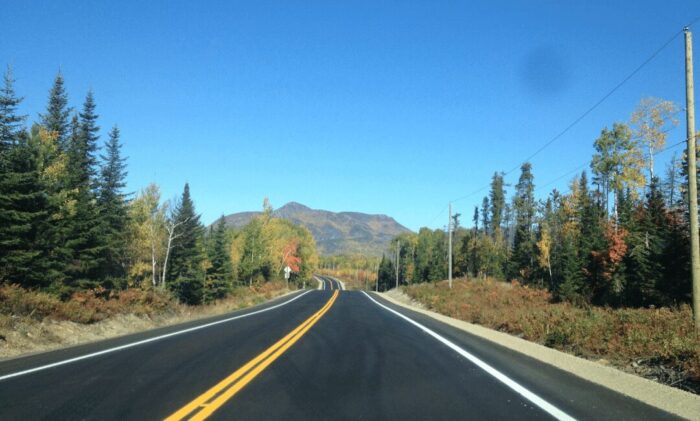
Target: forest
67	223
618	238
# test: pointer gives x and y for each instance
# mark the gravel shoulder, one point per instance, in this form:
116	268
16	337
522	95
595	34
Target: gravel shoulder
675	401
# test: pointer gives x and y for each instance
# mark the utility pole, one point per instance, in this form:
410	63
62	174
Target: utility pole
449	248
398	248
692	177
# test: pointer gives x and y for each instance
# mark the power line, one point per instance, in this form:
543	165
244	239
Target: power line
589	110
666	148
580	167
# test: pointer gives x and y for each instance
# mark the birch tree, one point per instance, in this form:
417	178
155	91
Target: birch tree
651	122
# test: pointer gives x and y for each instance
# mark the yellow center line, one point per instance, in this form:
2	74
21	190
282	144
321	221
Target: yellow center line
208	402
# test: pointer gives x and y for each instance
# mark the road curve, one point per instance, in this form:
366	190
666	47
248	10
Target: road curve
328	283
322	355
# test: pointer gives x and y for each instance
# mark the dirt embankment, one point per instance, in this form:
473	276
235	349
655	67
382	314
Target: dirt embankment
32	322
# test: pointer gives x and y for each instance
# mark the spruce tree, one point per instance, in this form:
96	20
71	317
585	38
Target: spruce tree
88	139
485	221
23	204
85	228
85	239
497	198
11	123
219	277
112	205
185	270
523	259
386	274
644	257
56	119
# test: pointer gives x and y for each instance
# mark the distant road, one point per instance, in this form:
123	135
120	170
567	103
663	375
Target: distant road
329	283
326	355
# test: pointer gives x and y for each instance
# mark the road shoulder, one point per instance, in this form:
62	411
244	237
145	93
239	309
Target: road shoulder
669	399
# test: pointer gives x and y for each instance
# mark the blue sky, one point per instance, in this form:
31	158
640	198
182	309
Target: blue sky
390	107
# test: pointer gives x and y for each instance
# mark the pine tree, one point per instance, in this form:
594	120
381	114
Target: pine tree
57	112
112	205
185	272
219	277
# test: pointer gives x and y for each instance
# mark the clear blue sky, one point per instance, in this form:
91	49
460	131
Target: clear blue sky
387	107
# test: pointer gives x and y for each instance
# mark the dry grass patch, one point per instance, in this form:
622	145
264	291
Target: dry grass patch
32	321
660	344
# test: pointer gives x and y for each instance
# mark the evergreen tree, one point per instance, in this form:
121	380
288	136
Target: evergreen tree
112	205
497	198
185	270
85	229
57	112
386	274
523	260
23	211
11	123
485	221
87	146
646	243
219	277
23	205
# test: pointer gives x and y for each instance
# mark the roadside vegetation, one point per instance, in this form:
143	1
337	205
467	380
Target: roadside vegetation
75	246
33	321
601	270
657	343
620	239
358	272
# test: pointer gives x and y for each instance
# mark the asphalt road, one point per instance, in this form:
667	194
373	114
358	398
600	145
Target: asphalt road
329	283
326	354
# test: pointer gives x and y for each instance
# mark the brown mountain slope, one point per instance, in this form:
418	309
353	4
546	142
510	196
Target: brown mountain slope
335	232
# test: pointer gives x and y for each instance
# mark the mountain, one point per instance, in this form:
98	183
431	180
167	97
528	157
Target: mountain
335	232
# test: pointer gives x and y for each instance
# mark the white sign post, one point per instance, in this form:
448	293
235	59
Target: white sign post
287	273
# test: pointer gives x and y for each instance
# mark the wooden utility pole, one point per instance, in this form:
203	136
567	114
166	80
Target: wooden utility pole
692	177
398	249
449	234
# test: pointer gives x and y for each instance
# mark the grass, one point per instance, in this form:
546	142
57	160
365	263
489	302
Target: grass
96	305
657	342
33	321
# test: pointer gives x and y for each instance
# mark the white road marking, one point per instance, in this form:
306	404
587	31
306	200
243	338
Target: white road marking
145	341
532	397
341	284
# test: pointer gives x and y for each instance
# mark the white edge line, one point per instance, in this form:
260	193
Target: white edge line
532	397
145	341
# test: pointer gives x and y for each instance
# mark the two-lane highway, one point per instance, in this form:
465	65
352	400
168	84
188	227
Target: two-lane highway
328	283
314	355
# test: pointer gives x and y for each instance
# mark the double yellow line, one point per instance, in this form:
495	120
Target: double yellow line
211	400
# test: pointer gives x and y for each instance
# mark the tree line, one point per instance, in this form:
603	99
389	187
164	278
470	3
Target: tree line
620	238
66	223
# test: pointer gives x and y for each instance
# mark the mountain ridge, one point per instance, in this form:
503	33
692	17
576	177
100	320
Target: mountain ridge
347	232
